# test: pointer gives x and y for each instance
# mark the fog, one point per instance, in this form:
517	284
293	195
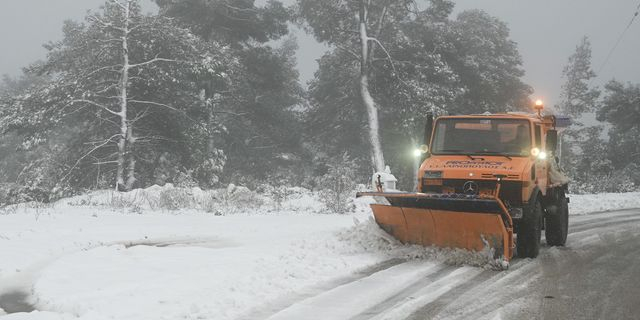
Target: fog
546	31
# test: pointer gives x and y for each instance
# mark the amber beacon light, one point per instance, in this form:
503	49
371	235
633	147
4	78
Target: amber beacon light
538	106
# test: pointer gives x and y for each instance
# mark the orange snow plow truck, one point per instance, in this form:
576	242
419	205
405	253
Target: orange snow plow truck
485	179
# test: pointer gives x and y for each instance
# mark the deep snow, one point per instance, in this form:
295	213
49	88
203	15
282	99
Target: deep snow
85	260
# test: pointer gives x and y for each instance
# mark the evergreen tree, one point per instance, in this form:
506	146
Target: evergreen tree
621	108
420	61
577	98
122	95
262	121
488	64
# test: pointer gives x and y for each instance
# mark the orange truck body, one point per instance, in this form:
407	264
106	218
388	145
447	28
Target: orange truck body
473	202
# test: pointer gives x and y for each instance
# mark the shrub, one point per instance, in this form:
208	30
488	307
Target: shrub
611	183
14	193
175	199
338	185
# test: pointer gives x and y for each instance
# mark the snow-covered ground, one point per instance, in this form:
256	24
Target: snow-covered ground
84	264
589	203
81	259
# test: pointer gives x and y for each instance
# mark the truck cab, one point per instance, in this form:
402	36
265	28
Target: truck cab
471	154
476	148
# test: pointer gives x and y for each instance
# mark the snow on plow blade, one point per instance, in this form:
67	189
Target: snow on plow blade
446	220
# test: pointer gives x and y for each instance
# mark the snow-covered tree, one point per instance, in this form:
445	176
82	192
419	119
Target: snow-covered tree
621	109
122	92
420	61
488	64
359	29
577	99
263	130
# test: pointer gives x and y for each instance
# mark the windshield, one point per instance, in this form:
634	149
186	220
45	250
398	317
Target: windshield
510	137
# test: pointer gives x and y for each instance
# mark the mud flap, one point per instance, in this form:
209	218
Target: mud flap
468	222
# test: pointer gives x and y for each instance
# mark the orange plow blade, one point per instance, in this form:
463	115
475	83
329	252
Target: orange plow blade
448	221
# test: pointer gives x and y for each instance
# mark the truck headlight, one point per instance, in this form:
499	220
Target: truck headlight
535	152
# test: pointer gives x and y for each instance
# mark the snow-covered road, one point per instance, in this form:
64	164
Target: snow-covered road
83	263
594	277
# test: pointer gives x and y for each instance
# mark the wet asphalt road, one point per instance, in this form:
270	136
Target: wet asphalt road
598	282
596	276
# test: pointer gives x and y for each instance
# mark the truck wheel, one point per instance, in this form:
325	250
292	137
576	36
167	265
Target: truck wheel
528	241
557	225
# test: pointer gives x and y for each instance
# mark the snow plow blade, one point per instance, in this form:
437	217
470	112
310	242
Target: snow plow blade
470	222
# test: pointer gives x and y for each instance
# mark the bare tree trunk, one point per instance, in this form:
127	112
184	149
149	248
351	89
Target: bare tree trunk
131	167
124	123
367	99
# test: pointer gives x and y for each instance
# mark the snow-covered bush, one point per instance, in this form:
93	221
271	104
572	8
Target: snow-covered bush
278	194
12	193
240	197
130	201
185	180
338	185
613	183
224	201
175	199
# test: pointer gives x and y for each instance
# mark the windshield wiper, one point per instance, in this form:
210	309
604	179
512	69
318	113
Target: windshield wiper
499	154
463	152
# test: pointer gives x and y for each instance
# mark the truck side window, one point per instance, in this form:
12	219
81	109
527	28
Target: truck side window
538	136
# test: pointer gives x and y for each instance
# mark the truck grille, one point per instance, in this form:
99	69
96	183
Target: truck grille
510	190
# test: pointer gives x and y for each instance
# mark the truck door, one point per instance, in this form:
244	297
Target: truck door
541	164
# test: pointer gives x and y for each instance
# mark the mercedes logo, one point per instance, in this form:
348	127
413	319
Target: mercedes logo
470	187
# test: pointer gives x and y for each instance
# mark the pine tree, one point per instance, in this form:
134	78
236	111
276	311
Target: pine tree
577	98
420	61
363	40
121	96
621	108
262	134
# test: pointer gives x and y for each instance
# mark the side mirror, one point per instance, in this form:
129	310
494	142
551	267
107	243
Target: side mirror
552	141
428	129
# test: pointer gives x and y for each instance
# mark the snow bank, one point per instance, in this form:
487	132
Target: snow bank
231	200
590	203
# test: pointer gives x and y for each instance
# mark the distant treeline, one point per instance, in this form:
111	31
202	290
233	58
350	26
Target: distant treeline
206	93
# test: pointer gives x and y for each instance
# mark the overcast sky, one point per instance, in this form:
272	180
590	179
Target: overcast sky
547	32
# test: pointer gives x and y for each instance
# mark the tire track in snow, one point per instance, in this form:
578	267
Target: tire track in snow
287	301
433	308
429	293
349	300
405	293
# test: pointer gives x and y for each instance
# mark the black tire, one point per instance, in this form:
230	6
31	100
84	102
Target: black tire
557	225
528	241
